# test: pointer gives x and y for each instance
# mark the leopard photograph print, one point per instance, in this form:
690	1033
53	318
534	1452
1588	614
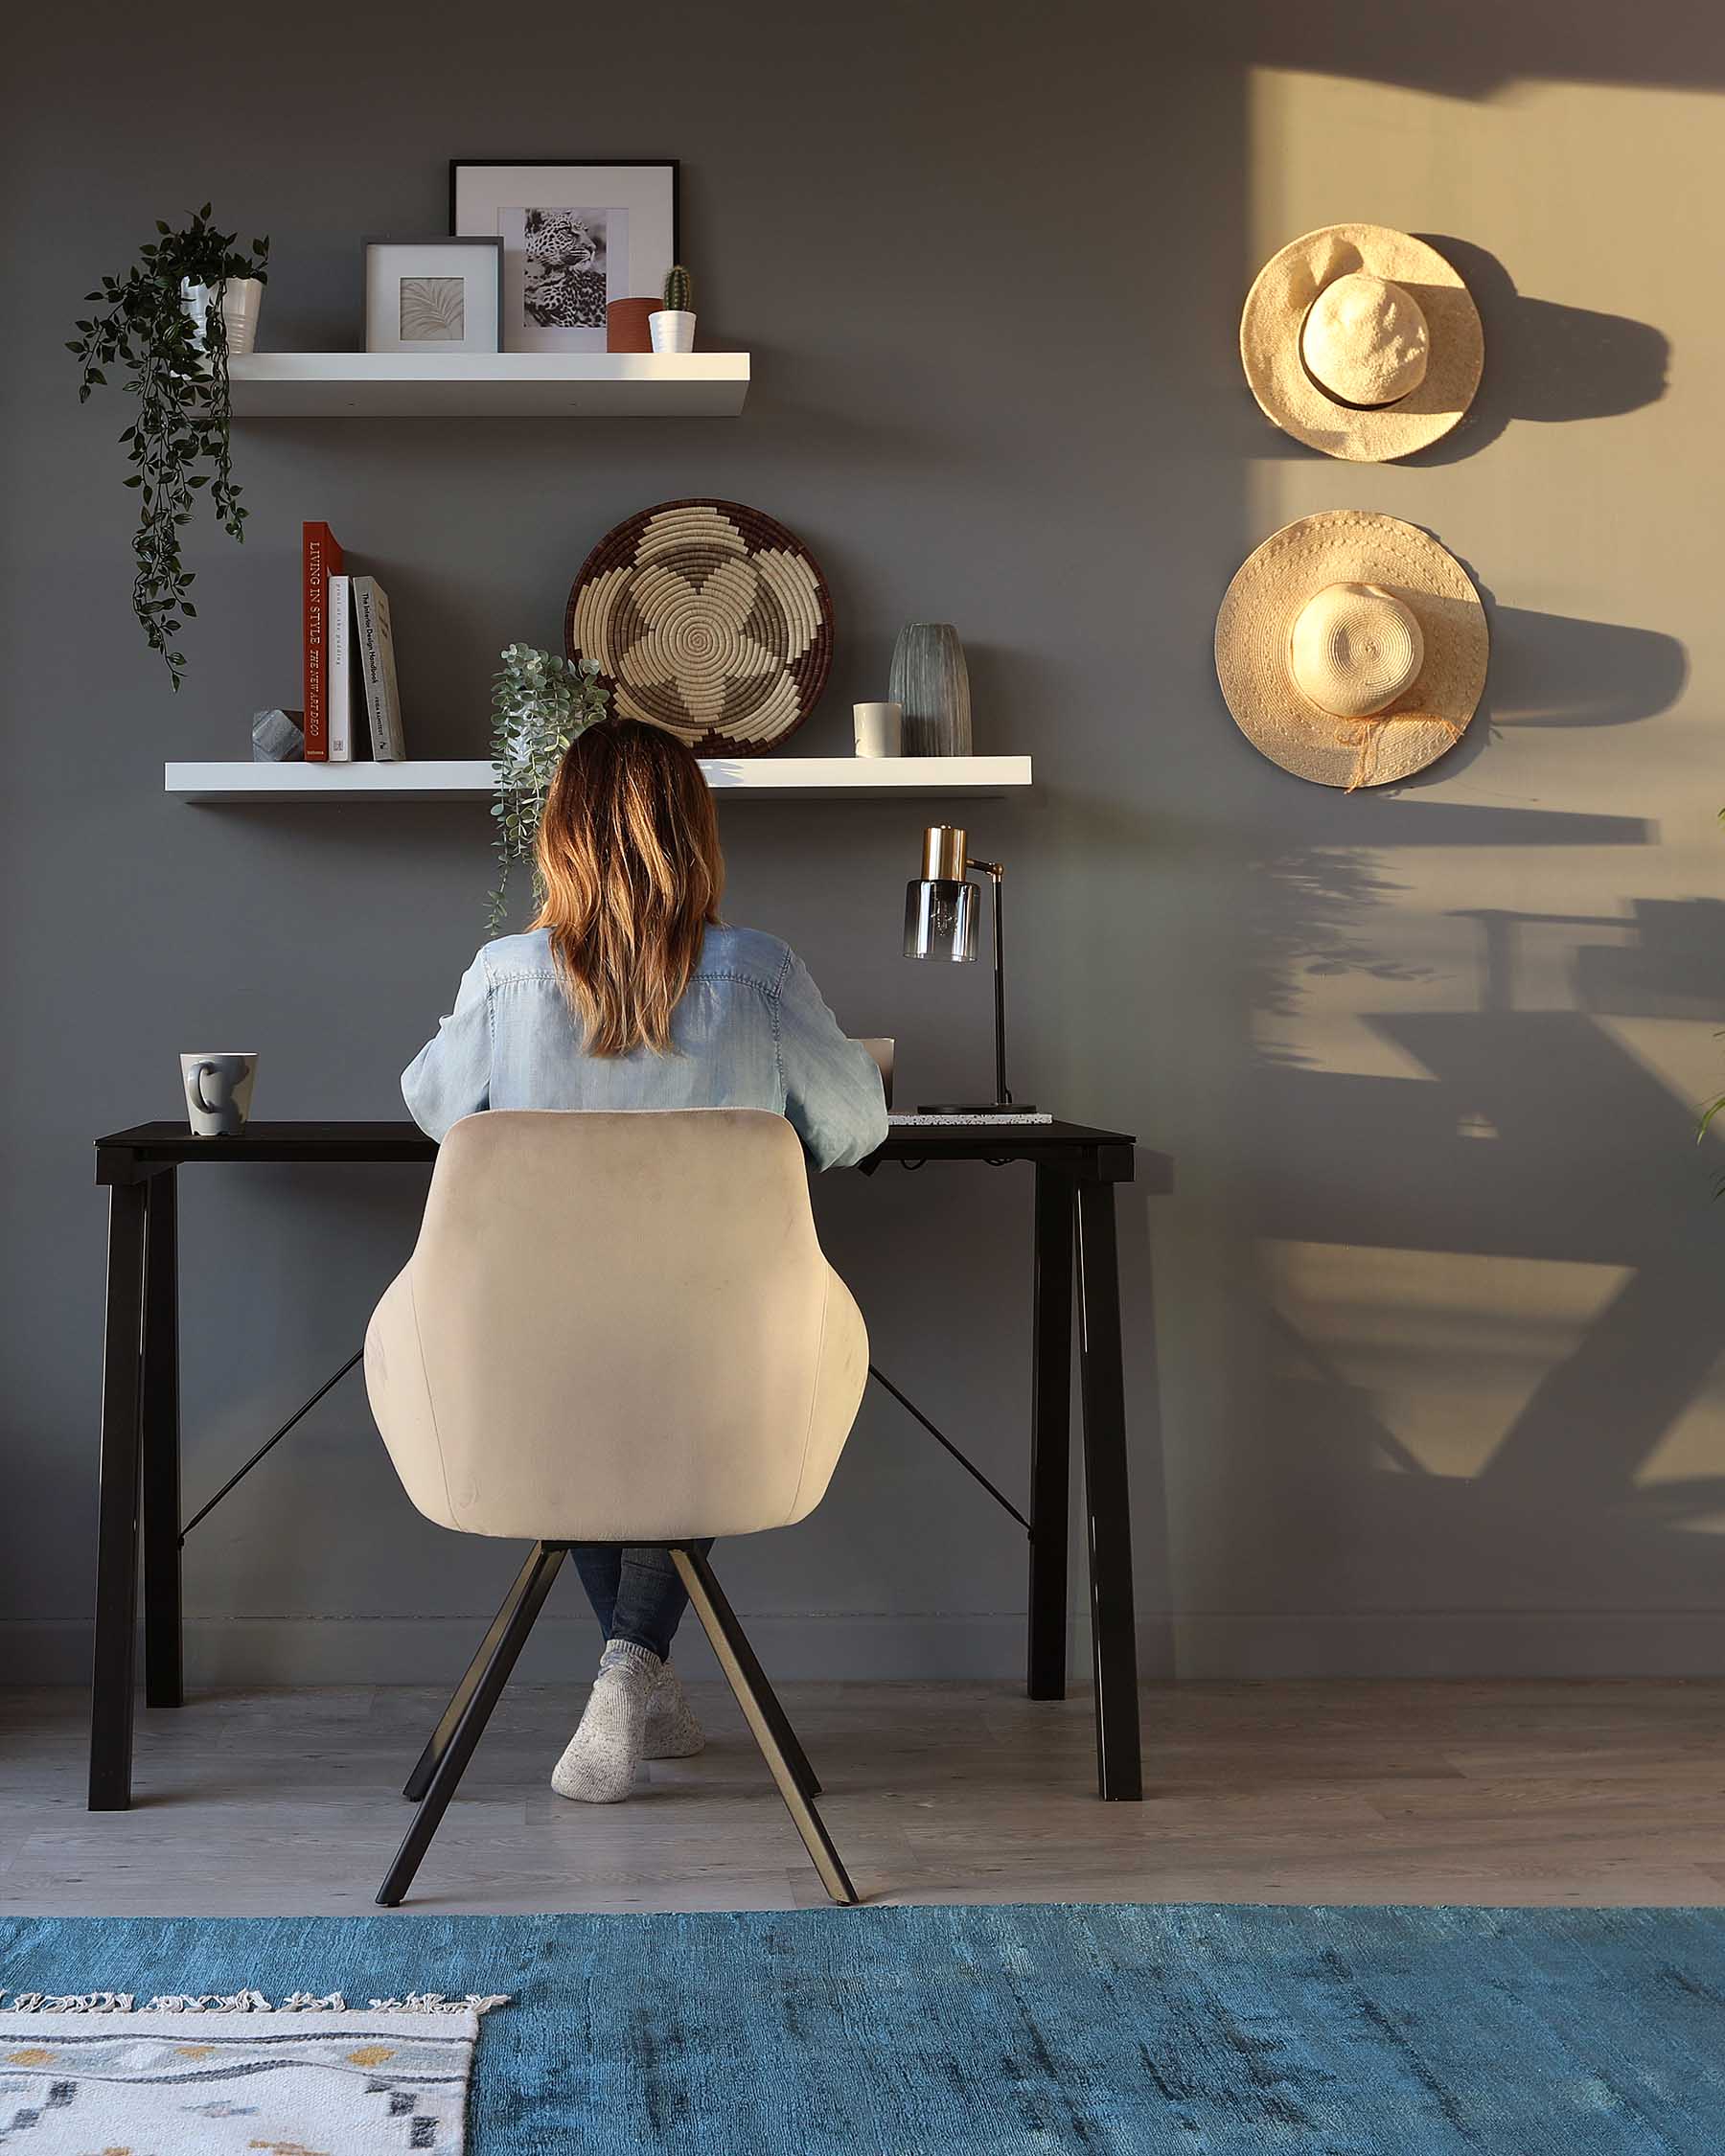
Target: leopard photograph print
565	270
576	237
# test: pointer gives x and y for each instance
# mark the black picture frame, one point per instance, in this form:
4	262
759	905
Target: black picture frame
673	165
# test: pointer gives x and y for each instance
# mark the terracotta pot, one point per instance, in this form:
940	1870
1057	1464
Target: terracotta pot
626	325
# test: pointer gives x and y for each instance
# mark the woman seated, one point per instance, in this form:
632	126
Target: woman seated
629	992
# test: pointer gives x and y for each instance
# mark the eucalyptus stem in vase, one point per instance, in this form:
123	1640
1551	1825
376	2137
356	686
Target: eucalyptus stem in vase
540	702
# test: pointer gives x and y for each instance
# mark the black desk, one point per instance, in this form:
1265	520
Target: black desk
1076	1169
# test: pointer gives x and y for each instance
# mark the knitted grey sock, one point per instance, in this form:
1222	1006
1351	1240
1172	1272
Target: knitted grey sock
599	1765
672	1731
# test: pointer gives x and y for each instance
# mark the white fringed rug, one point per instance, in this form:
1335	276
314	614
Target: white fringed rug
230	2076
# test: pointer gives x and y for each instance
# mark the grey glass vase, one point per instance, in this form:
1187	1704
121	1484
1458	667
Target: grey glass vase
931	682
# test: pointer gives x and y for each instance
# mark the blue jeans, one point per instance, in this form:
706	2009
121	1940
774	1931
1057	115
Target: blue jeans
636	1594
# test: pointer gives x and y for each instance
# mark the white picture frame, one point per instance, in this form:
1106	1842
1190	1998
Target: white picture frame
575	237
435	296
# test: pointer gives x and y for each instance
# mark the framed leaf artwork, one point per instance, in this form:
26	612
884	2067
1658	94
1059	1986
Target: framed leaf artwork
434	295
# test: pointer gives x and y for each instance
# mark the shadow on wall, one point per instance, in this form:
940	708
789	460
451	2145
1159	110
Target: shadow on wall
1310	899
1310	896
1493	1288
1557	670
1545	361
1672	969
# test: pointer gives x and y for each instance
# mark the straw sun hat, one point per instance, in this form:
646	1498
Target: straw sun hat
1362	342
1351	649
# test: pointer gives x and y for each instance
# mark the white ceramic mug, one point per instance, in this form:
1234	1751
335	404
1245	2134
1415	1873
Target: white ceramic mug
880	728
219	1090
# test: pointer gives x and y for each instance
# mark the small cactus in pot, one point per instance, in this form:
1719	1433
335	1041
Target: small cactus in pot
673	326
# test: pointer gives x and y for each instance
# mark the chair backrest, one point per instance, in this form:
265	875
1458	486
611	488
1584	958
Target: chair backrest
617	1327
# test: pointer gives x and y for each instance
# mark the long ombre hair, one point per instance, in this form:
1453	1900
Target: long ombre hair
629	859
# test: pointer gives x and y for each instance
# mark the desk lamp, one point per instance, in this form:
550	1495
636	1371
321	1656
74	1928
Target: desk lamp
940	922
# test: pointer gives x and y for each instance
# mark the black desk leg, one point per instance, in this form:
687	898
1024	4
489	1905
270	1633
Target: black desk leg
1114	1636
117	1528
1051	1433
163	1681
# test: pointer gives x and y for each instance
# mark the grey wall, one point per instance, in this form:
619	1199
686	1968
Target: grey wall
1437	1299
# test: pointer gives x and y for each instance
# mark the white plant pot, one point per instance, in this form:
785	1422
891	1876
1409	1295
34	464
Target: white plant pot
195	300
240	299
672	330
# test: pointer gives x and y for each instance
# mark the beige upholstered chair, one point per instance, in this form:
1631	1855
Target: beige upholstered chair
615	1329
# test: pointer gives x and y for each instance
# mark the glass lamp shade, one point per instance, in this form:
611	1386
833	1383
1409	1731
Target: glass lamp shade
940	919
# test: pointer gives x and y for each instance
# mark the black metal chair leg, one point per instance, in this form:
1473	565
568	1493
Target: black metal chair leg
737	1660
806	1778
486	1691
438	1743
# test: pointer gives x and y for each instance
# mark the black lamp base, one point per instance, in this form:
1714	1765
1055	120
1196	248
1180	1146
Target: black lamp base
976	1107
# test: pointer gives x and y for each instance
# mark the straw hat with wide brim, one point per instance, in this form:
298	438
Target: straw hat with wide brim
1362	342
1351	649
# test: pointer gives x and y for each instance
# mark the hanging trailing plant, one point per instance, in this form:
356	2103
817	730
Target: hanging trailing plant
540	702
176	361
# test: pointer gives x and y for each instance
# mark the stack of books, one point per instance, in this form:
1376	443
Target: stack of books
353	708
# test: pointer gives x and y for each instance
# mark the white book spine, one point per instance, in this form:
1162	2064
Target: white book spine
338	627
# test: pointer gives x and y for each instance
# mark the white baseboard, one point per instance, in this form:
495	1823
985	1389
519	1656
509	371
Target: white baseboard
243	1651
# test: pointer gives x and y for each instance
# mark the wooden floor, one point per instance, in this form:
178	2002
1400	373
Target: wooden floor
288	1803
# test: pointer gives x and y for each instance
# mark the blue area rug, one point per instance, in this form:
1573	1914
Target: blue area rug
1213	2032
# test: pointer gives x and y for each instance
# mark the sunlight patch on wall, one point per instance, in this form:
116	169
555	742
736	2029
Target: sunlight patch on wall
1445	1349
1340	1043
1304	129
1686	1468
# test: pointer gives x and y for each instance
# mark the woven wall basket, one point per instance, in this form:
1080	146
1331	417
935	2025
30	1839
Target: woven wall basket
708	619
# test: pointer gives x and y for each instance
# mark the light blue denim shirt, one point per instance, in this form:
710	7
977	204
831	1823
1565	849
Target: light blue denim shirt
750	1031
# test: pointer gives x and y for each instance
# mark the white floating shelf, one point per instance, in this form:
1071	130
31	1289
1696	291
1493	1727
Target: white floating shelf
785	779
493	385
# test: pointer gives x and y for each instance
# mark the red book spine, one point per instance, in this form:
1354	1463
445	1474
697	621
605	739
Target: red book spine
320	558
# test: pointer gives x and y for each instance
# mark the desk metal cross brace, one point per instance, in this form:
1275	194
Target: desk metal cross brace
234	1480
940	1438
329	1383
